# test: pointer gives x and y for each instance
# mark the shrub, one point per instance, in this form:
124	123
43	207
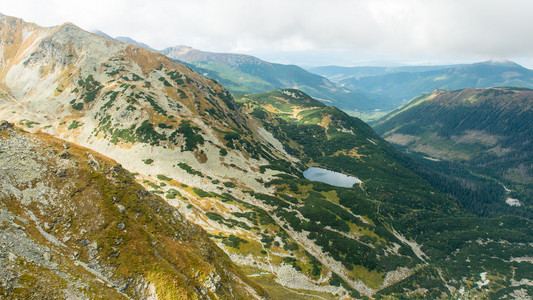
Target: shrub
78	106
229	184
163	177
75	124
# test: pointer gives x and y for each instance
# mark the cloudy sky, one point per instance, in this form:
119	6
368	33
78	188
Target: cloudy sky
309	32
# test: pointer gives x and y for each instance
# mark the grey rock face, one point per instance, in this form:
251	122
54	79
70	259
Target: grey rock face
4	125
61	173
121	226
64	155
121	208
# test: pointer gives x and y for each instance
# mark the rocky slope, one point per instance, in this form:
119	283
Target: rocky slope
74	224
91	90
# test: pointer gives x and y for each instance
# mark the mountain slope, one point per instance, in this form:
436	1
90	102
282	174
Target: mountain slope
248	74
75	224
398	199
394	89
487	130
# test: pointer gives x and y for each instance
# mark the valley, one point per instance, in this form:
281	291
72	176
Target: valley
146	159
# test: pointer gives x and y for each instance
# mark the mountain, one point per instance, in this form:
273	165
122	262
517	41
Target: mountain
235	168
337	73
396	89
133	42
487	131
76	225
103	34
247	74
124	39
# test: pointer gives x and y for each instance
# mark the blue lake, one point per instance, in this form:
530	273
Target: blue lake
330	177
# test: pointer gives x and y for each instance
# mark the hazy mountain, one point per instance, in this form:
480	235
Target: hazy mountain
124	39
133	42
189	54
248	74
488	131
397	88
337	73
103	34
235	169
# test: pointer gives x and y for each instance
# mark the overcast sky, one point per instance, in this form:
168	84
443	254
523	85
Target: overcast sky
309	32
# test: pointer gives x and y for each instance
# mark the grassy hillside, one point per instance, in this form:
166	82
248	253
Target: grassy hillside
391	196
487	131
234	80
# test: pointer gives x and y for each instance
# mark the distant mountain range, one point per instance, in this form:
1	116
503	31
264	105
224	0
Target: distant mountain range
395	86
127	40
337	73
124	39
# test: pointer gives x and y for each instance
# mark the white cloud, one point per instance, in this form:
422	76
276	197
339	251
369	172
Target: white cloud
389	29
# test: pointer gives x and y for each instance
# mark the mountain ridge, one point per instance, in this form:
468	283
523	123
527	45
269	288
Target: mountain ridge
337	73
127	40
398	88
189	54
241	73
